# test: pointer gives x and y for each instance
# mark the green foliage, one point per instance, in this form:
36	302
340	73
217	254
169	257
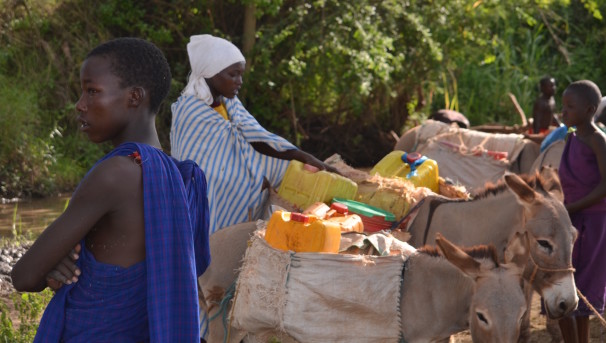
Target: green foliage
29	308
332	67
508	47
25	153
318	69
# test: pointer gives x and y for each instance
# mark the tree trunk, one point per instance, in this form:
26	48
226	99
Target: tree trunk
250	28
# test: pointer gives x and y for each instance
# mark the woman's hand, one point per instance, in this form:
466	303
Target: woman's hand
293	154
311	160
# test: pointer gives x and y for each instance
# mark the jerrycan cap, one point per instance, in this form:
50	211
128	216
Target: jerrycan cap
299	217
412	157
339	207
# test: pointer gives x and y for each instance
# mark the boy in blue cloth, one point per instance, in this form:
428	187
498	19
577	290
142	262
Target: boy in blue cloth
139	217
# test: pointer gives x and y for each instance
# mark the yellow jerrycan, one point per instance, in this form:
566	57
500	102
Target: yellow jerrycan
414	167
304	185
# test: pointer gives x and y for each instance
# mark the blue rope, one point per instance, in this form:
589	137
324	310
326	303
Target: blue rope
229	294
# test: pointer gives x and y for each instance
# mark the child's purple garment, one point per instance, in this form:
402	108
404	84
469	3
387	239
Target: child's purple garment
155	300
579	175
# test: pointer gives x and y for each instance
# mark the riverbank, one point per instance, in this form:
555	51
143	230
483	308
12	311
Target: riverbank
10	253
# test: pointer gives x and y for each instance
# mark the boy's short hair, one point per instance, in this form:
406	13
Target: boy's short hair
587	90
545	80
138	62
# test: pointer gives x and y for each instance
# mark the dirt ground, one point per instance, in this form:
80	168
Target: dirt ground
539	333
538	330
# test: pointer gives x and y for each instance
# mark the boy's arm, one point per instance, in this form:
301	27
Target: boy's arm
94	198
597	142
538	112
293	154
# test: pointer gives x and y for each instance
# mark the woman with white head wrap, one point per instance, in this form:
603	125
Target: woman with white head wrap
211	127
208	55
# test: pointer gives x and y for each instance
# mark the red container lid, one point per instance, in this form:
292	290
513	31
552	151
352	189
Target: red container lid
339	207
413	156
299	217
372	226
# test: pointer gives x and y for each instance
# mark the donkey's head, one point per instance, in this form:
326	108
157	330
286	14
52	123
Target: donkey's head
498	303
551	237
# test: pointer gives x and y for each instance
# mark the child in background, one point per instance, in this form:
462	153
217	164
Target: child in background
583	176
543	111
139	218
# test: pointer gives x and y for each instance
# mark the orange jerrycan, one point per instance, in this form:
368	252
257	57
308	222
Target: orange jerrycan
304	185
414	167
302	233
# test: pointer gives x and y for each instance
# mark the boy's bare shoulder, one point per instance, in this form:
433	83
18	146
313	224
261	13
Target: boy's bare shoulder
117	167
112	177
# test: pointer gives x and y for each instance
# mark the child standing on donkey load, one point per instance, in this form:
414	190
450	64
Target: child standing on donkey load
141	217
543	111
583	175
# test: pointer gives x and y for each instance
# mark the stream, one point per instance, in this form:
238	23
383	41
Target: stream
29	216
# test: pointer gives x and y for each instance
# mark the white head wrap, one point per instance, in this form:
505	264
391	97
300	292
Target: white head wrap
208	55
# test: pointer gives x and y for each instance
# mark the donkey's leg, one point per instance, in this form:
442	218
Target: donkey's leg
525	324
553	328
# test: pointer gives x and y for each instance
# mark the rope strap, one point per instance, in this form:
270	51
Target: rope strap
568	269
543	269
592	308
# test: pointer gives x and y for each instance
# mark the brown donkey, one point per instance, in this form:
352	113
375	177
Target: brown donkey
517	204
440	295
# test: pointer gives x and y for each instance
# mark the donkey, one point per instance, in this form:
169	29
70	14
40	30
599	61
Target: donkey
439	296
438	301
516	204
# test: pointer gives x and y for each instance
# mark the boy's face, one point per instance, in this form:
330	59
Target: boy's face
103	101
548	87
228	81
575	110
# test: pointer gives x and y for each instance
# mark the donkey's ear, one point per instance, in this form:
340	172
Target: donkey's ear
458	257
521	189
517	251
551	182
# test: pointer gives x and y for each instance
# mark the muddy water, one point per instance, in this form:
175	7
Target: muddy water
30	216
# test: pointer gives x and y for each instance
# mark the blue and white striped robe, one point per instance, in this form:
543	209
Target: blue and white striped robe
233	168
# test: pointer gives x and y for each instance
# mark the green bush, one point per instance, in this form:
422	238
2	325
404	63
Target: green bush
317	70
25	152
29	308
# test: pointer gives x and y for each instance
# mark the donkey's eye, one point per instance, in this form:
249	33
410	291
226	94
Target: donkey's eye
481	317
545	245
